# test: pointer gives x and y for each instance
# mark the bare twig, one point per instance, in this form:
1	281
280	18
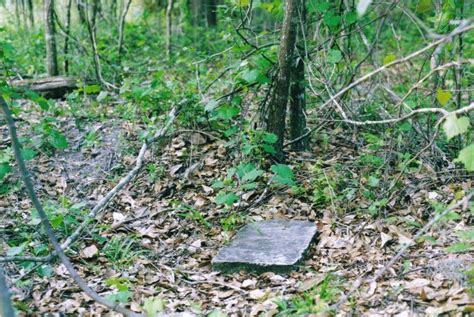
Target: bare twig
105	200
464	27
47	225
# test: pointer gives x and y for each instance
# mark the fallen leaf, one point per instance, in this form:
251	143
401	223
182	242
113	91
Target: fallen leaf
89	252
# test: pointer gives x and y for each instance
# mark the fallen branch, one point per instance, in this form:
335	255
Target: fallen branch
47	225
6	309
105	200
463	202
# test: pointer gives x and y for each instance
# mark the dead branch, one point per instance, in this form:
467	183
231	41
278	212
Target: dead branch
6	309
45	221
106	199
465	26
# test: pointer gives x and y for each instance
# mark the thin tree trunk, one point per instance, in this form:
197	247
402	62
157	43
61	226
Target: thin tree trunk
275	122
169	16
121	29
6	309
297	120
91	29
50	39
81	12
66	38
211	13
31	13
17	14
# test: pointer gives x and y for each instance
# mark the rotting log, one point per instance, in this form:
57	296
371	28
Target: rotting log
50	87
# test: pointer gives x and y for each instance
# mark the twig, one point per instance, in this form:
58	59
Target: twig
47	225
462	202
105	200
464	27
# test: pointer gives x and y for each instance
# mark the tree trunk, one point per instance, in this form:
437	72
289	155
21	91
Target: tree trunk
211	13
275	122
121	29
297	120
81	12
6	308
169	24
50	39
31	13
66	38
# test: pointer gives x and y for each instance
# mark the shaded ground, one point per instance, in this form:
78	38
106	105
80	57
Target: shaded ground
160	234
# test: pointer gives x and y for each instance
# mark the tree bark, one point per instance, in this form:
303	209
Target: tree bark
50	39
6	309
297	120
275	122
121	29
81	12
211	13
169	24
31	15
66	38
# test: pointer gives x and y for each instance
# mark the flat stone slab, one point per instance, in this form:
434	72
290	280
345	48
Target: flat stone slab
267	246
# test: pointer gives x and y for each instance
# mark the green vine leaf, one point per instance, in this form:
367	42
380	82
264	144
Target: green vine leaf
454	126
466	156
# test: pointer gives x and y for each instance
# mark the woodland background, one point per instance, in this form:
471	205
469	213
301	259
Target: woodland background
176	122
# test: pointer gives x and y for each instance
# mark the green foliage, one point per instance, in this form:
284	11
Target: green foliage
154	305
121	251
283	174
454	126
466	156
122	292
193	214
314	301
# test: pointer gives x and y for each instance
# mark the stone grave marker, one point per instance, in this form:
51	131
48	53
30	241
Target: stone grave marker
266	246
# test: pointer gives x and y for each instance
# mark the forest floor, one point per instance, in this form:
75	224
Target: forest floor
158	236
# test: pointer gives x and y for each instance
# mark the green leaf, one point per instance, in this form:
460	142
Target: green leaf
15	251
227	112
458	247
5	168
373	181
217	313
43	103
28	154
283	174
92	89
45	270
250	76
6	155
154	305
389	58
423	6
454	126
351	17
268	149
362	6
57	140
466	156
331	19
270	137
252	175
334	56
466	235
224	198
443	96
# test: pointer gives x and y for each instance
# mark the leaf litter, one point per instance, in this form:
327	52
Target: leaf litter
166	228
